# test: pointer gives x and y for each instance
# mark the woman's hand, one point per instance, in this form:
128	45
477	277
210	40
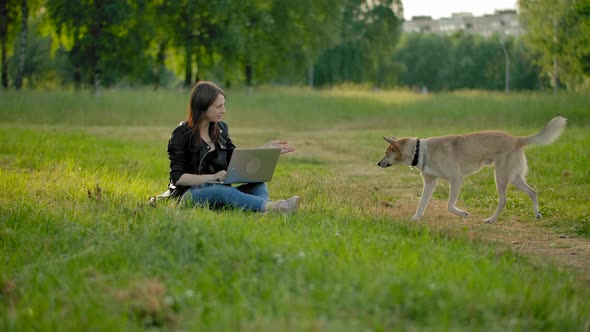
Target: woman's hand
279	144
219	176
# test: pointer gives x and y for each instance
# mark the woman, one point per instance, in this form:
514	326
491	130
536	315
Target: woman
199	151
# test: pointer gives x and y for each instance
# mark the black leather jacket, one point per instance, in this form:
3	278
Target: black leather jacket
187	157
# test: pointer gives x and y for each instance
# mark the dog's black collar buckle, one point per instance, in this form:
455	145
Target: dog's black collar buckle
416	154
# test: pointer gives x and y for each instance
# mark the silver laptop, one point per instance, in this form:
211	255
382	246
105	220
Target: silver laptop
252	165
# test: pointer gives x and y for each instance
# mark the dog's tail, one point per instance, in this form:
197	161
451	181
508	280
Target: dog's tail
547	135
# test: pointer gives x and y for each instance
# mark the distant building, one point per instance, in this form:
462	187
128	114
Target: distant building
503	22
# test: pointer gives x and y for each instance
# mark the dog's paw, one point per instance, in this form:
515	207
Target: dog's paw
538	216
460	213
415	218
490	221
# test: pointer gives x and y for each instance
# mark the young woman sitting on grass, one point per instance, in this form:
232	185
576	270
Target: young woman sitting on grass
199	151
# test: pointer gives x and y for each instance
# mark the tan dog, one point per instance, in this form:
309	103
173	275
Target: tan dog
455	156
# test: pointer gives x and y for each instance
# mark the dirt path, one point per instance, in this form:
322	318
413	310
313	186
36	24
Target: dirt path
528	237
542	246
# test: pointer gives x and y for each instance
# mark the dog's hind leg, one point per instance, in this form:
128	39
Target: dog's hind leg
453	195
502	180
430	183
520	183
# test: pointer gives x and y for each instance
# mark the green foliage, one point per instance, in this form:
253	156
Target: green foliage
321	43
102	36
368	35
9	24
464	61
308	29
192	28
9	14
557	33
39	67
251	23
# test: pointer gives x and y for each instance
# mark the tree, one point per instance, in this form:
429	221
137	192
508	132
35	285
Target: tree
189	29
159	40
248	30
369	32
8	18
307	29
506	66
557	32
382	21
24	15
39	65
578	59
526	75
462	61
103	38
425	60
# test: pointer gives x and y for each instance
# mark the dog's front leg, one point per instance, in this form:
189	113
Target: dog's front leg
429	183
453	195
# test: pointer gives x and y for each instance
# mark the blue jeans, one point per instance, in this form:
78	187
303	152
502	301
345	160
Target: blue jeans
249	196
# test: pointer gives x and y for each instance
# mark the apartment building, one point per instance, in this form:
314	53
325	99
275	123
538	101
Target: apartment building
503	22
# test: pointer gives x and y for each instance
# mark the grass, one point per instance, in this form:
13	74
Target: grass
80	248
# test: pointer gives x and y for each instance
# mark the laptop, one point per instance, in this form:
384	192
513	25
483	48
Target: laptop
252	165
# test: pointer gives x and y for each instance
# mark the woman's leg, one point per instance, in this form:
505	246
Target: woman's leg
217	195
256	189
261	190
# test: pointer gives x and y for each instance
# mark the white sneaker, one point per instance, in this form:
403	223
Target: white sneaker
288	205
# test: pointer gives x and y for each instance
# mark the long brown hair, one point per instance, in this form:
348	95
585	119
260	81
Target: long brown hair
203	95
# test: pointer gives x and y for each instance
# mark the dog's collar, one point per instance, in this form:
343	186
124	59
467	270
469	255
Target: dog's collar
416	153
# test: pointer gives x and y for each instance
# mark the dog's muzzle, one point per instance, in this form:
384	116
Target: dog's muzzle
383	164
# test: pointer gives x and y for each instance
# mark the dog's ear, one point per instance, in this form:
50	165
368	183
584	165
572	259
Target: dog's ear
390	140
397	149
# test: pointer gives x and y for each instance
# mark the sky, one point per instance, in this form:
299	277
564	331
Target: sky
444	8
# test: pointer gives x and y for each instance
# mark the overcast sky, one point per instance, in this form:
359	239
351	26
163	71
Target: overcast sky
444	8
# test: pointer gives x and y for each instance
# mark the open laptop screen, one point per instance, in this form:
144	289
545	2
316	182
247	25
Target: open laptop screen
252	165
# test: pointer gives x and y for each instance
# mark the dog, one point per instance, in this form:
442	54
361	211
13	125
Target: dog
453	157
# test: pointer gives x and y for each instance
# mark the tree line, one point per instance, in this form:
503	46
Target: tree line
105	43
466	61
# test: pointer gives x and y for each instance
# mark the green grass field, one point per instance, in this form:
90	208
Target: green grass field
81	249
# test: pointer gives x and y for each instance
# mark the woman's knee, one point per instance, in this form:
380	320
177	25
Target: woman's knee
199	193
257	189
